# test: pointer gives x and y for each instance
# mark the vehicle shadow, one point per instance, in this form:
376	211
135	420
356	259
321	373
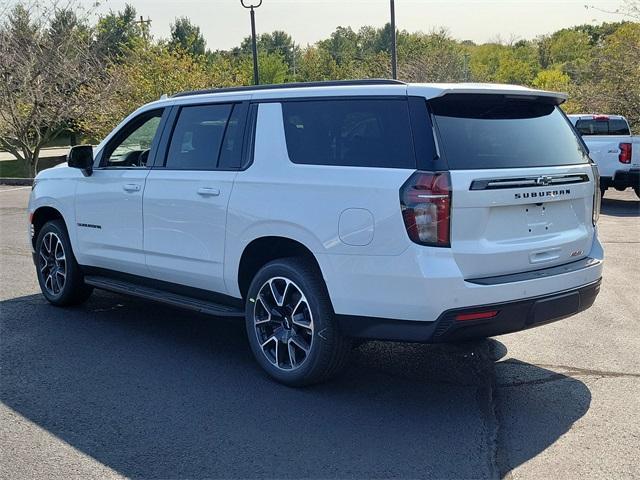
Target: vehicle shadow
153	392
620	208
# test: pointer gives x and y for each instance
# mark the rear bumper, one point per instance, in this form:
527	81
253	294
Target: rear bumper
511	317
623	179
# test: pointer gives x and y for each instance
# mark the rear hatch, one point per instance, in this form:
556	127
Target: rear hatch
521	182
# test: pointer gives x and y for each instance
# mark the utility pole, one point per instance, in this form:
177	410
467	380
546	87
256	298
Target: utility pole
145	25
254	46
394	56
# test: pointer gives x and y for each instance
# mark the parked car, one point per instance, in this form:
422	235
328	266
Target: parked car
613	148
326	212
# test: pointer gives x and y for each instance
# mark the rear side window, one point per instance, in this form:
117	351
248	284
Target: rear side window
352	133
197	137
497	131
603	126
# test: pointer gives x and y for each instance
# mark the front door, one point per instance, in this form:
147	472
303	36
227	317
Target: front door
109	202
187	193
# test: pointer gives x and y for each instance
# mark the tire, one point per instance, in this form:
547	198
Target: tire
59	275
293	332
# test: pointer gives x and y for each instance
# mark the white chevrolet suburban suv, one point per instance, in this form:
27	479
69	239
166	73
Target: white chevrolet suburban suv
327	212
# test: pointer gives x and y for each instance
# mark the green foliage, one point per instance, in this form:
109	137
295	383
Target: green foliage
599	65
117	33
187	37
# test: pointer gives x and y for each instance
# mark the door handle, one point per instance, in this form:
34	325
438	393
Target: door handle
208	192
131	187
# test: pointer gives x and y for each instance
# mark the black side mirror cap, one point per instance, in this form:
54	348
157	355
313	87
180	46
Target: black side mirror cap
81	156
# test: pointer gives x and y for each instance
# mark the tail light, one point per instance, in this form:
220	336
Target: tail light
425	200
597	196
625	153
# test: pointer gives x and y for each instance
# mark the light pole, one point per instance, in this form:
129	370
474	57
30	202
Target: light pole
254	47
394	55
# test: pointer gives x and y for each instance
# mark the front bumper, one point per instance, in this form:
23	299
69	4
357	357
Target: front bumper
512	316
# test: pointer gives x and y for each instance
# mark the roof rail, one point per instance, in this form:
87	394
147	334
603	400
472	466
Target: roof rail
331	83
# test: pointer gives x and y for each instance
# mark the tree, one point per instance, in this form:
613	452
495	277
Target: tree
187	37
614	84
44	77
147	73
117	33
435	57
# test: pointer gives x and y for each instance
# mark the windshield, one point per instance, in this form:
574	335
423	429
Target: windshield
498	131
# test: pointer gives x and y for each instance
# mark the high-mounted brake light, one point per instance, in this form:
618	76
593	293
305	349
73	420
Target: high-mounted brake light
425	200
600	118
625	153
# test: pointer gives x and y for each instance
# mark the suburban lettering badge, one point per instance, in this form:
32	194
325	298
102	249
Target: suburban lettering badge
548	193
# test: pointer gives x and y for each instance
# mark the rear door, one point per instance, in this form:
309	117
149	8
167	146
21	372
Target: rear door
522	189
187	193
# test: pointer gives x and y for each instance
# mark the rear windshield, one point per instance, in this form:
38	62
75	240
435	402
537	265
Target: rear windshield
603	126
497	131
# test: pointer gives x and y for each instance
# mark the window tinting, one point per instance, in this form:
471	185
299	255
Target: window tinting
496	131
197	137
231	151
604	126
132	144
359	133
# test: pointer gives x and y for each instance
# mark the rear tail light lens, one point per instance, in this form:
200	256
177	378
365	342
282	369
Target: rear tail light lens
425	200
625	153
597	196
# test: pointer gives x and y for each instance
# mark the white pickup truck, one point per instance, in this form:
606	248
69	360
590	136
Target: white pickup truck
613	148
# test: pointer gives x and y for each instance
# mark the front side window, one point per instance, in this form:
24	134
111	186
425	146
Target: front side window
197	137
353	133
131	147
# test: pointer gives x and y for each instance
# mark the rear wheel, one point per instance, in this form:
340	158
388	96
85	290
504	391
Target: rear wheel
59	275
291	325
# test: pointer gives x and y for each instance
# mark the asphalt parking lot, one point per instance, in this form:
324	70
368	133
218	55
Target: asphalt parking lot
120	387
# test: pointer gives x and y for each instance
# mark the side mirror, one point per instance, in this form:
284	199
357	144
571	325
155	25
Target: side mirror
81	156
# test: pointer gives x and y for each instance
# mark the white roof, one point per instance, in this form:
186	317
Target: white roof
427	90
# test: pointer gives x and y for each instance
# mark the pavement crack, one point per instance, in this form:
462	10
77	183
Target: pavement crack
487	399
589	372
565	373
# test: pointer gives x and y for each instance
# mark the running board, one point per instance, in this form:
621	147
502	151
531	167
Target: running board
148	293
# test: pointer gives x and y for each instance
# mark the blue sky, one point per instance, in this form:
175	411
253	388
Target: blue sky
224	22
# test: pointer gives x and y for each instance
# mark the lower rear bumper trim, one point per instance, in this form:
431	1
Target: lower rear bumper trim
512	316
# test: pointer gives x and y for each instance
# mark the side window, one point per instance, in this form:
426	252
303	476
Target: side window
356	133
131	146
197	137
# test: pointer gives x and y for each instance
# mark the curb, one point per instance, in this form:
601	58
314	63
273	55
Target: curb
16	181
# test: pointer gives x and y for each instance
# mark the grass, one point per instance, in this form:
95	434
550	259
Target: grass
15	169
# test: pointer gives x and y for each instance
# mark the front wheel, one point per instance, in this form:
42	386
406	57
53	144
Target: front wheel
59	275
291	325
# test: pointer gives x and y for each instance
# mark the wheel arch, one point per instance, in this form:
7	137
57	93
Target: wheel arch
263	250
41	216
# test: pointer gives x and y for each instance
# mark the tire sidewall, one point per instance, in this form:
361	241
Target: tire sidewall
71	267
321	310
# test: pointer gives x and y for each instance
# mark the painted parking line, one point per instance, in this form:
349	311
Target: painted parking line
2	190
